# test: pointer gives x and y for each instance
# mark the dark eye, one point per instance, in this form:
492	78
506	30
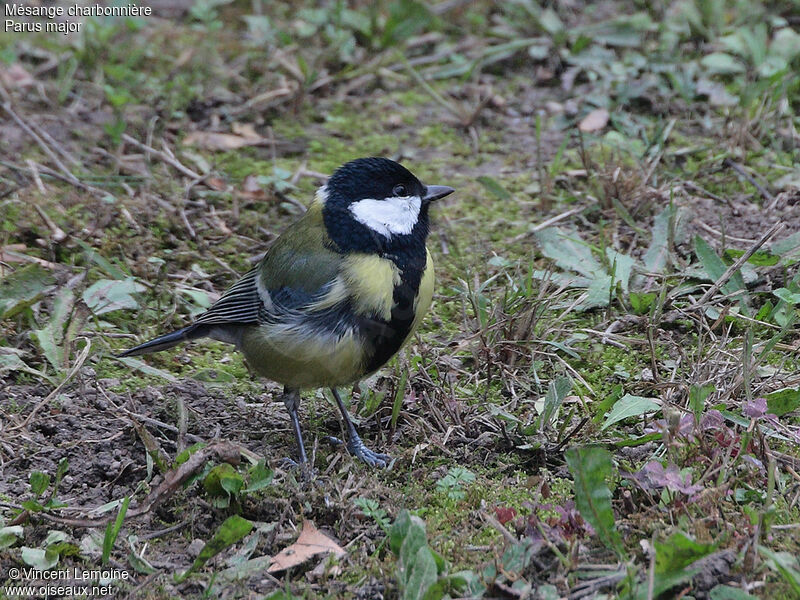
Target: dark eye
400	190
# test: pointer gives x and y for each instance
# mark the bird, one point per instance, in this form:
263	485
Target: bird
336	295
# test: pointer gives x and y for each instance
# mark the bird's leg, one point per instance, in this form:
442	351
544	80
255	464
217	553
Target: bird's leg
354	444
291	400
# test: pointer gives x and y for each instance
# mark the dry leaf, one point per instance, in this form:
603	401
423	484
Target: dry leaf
212	140
311	542
245	130
251	189
594	121
15	253
15	76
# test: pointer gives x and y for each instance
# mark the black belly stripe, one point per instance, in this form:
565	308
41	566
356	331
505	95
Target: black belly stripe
384	338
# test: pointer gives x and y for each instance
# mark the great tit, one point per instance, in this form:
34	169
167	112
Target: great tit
336	295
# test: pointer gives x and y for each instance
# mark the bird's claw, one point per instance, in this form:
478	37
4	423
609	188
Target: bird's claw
374	459
357	448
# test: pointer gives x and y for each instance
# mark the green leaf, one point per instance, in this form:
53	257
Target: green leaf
783	401
760	258
12	362
657	254
39	558
108	295
260	476
557	390
630	406
791	298
9	535
112	530
135	363
494	188
715	268
550	22
22	288
720	63
641	302
784	563
39	482
679	551
222	482
786	44
697	398
591	468
569	252
421	576
50	337
233	529
726	592
399	530
406	18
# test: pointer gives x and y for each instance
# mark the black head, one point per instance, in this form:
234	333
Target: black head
377	205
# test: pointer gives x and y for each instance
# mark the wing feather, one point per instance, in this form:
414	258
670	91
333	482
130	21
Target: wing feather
299	274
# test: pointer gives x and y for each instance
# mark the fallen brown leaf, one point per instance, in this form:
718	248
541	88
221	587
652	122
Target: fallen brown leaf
15	76
212	140
310	543
594	121
15	253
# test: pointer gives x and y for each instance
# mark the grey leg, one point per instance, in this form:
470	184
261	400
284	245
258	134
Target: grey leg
354	444
291	400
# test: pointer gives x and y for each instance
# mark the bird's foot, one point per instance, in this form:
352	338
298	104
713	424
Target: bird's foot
357	448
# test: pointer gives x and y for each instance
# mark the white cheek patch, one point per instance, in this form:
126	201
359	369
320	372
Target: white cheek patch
388	217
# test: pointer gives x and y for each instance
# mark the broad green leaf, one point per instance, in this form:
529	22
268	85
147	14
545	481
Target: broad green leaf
108	295
630	406
569	252
657	254
550	22
55	537
720	63
233	529
39	482
260	476
9	535
421	575
623	267
679	551
222	482
715	268
641	302
12	362
786	44
697	398
726	592
51	337
784	563
591	469
139	365
399	530
791	298
495	188
39	558
23	288
557	390
783	401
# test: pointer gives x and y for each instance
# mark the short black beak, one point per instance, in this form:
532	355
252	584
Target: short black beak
435	192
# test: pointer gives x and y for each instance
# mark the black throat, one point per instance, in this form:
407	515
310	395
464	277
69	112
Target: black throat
383	338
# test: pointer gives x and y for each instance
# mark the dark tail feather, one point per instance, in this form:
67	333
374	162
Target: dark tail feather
167	341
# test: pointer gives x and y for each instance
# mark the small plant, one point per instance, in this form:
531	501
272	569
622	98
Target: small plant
372	509
422	573
451	484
